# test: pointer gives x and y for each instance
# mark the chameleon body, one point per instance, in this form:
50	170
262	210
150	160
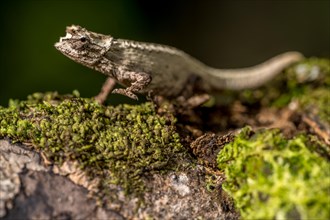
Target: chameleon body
163	70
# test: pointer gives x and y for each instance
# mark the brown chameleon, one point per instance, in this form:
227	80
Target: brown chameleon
162	70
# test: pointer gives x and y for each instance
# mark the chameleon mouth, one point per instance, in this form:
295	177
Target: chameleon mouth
64	46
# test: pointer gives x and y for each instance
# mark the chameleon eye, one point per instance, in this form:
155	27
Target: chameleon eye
83	39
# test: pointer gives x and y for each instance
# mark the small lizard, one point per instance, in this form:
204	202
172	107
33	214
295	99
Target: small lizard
163	70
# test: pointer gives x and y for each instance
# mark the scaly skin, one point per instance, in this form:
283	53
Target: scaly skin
162	70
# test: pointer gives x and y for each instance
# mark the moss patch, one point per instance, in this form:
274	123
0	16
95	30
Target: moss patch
271	177
118	144
298	80
312	97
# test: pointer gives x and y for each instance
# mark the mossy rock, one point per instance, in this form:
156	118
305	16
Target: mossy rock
117	143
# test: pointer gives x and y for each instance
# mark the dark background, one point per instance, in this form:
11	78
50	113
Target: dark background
224	34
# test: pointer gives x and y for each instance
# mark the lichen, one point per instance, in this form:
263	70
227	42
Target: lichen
271	177
119	144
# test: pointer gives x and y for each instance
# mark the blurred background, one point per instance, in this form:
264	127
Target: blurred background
223	34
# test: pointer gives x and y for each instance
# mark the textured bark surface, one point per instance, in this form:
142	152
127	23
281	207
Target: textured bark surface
31	190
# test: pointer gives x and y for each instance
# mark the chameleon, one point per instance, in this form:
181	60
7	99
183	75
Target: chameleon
143	68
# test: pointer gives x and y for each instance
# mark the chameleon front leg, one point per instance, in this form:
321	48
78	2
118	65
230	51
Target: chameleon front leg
107	87
136	82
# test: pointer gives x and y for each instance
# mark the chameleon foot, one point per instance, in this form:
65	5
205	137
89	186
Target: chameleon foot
125	92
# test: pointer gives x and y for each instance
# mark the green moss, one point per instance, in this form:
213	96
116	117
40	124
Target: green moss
317	102
297	81
302	79
118	144
271	177
313	96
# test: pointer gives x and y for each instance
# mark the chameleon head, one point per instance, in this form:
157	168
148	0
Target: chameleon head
83	46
